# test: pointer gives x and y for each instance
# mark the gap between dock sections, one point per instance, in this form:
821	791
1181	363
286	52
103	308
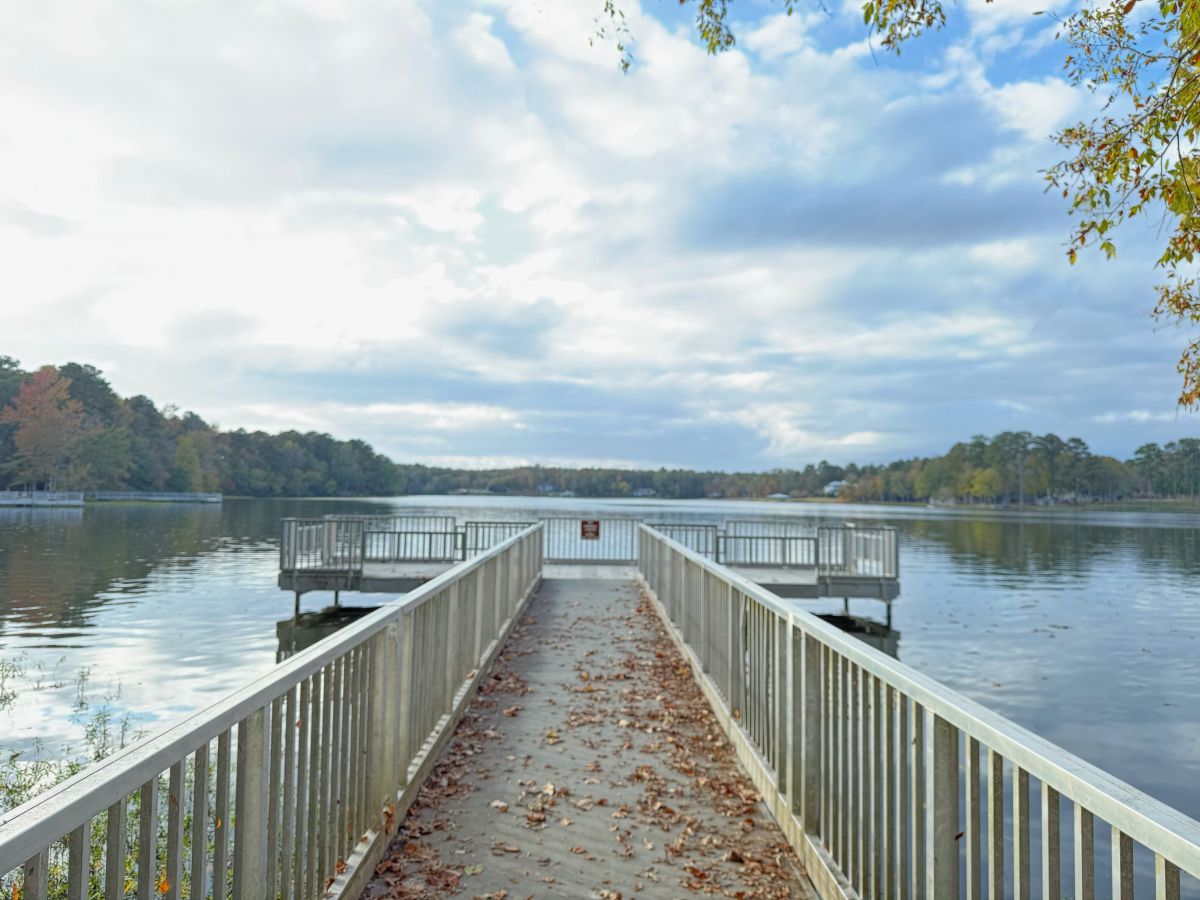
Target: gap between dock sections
589	765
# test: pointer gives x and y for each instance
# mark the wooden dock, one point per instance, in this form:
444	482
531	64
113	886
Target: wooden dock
589	765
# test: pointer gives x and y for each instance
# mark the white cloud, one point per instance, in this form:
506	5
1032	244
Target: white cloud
781	34
449	208
1017	254
791	438
1136	415
988	17
349	217
475	36
1036	108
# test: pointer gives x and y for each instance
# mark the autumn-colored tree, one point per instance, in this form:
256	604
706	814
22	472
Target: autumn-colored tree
50	425
1139	157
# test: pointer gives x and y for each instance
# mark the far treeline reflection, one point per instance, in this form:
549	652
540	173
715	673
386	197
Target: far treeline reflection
65	428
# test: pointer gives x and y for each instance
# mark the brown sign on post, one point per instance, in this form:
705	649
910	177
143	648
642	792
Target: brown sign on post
589	529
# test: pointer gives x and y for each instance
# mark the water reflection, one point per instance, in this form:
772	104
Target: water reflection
874	634
39	515
1060	548
1084	627
165	607
301	632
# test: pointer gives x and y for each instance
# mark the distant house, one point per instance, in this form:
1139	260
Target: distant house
547	488
832	489
645	492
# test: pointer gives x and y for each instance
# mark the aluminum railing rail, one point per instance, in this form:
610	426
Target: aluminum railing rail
480	536
300	773
413	546
891	785
591	540
323	544
701	538
157	496
406	523
47	498
849	550
334	544
769	528
746	550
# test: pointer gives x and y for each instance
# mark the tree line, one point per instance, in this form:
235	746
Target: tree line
1016	467
66	428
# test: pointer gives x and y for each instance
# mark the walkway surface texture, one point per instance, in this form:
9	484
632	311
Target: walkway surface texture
589	765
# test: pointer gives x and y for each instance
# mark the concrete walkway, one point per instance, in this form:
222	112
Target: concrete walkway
589	766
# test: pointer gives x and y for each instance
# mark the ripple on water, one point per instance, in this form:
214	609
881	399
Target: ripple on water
1082	626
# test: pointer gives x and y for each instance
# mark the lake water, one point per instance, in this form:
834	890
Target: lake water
1082	626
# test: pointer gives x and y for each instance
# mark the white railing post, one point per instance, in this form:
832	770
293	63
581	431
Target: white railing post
453	593
405	741
383	778
782	689
250	824
37	877
812	730
941	808
736	662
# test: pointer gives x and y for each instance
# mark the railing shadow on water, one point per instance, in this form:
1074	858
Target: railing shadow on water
292	783
889	784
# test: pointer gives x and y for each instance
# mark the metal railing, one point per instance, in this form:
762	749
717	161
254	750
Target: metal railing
324	544
769	528
701	538
292	783
41	498
616	540
411	523
335	544
412	546
849	550
737	550
480	536
888	783
157	496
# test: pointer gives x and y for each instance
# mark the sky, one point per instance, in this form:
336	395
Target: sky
457	231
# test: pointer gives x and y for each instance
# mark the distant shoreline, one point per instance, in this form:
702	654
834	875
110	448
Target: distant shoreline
1144	505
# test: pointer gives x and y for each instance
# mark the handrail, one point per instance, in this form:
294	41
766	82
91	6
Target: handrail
768	550
412	546
322	745
831	719
158	496
335	544
47	497
614	542
479	535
